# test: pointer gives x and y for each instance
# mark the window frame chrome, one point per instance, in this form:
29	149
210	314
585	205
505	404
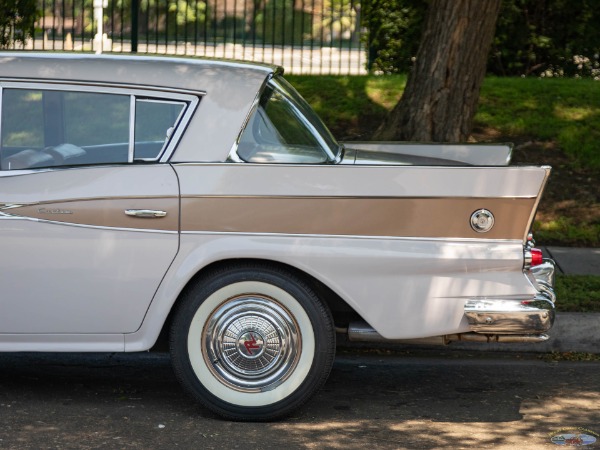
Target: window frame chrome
190	100
175	125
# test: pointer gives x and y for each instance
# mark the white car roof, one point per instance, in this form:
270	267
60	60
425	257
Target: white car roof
228	89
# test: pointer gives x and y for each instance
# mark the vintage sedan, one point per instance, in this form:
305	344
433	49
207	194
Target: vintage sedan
205	202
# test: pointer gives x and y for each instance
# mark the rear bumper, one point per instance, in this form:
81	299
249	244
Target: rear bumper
517	316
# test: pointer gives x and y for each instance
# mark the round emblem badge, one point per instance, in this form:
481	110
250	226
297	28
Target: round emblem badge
482	220
251	344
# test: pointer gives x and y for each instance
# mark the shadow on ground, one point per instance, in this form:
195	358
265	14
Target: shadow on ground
386	401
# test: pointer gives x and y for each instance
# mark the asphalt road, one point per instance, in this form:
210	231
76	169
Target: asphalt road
424	401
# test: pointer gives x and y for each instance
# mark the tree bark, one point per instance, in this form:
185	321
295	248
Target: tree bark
442	90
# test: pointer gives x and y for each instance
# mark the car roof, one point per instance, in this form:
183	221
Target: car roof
228	88
172	72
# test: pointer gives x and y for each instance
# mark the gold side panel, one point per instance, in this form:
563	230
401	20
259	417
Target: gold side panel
403	217
104	213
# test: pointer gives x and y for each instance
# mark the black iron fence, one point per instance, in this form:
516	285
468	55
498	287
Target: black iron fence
304	36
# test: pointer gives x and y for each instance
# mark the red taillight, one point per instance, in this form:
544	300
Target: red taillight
536	257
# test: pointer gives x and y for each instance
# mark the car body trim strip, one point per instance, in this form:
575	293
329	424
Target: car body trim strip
354	216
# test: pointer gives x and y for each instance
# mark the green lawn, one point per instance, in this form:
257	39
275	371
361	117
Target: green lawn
578	293
566	111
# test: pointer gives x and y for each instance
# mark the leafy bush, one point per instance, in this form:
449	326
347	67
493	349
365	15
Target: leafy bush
394	31
548	38
545	38
17	18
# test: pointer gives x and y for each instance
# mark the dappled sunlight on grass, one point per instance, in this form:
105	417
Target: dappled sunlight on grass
569	230
573	113
386	91
564	110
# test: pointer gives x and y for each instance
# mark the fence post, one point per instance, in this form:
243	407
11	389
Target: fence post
134	25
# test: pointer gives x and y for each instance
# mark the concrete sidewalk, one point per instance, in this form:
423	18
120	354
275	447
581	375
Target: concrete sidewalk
574	261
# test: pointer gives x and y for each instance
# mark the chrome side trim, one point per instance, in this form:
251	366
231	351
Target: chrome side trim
82	199
4	216
165	89
233	155
538	198
181	125
348	197
348	236
131	146
169	137
14	205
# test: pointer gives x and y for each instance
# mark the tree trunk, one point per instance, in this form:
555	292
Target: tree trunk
442	90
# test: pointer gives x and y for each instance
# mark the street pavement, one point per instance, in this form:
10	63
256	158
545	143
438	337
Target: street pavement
372	400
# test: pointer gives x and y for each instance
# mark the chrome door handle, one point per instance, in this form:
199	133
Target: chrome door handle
146	213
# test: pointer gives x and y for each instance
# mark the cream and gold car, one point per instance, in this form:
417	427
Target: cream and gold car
205	201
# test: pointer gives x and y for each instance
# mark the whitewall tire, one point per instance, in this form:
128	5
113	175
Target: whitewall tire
252	342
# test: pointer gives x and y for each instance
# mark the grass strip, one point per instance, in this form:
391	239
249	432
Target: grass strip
577	293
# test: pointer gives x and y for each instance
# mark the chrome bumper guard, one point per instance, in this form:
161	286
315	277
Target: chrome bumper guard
522	316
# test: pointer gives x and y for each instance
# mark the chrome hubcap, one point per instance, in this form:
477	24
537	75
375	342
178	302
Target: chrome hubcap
251	343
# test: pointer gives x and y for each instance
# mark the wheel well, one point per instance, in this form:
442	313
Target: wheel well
342	312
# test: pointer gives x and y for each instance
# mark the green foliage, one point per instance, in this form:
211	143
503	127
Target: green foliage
173	18
338	20
187	11
578	293
547	38
278	22
393	33
17	19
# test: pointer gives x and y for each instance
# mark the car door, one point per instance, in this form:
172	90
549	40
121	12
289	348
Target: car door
89	215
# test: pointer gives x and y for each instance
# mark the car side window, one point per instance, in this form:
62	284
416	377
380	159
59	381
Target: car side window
48	128
155	122
283	129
